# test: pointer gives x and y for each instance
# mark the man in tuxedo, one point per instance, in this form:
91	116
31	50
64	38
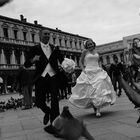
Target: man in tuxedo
45	57
115	71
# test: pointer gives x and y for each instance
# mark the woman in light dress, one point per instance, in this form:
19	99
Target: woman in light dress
93	87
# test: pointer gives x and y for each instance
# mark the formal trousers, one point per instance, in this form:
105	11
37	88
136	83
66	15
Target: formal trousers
42	86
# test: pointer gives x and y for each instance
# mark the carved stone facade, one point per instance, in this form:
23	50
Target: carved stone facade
17	36
110	50
120	49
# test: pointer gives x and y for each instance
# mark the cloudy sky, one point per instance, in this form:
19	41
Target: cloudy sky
102	20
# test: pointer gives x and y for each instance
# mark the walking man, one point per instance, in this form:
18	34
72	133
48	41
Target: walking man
45	56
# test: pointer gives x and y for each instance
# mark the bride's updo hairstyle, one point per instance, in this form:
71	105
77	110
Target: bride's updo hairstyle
89	44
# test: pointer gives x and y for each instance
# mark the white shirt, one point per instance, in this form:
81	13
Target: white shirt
1	80
47	51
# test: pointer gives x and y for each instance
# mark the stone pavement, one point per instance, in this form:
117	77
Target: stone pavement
118	122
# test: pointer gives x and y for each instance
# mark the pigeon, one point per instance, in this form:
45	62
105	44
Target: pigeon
70	128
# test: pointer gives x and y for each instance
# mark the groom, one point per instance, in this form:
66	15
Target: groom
45	57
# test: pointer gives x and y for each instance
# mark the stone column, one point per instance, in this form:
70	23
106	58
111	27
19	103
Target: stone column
20	33
2	57
82	45
1	30
73	43
13	58
111	59
22	58
119	59
57	40
78	45
68	43
29	36
63	42
104	60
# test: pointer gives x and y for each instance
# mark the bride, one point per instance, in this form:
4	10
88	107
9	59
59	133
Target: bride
93	87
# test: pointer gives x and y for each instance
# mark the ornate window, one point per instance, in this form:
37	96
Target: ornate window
65	43
54	39
33	33
60	41
33	37
15	34
5	32
24	35
25	30
70	43
75	44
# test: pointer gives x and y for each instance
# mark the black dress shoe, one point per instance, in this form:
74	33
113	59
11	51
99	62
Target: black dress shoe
46	119
119	94
51	130
47	116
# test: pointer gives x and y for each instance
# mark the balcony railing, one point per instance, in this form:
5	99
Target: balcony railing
17	41
12	67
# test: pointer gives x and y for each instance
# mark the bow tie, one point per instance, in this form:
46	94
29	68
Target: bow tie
46	46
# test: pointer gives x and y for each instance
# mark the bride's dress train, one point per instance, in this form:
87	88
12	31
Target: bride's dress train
93	86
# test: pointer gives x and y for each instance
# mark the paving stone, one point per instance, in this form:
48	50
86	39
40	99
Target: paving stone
103	125
31	124
129	121
98	131
11	128
137	138
112	136
126	130
16	138
116	123
40	136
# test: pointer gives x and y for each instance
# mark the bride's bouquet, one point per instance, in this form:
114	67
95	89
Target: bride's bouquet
68	65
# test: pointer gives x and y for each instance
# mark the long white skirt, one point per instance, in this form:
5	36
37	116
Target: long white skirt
93	87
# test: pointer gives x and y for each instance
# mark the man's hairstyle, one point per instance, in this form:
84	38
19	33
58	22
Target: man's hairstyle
43	30
133	42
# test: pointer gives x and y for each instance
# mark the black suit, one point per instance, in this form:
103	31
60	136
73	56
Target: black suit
115	72
24	82
47	83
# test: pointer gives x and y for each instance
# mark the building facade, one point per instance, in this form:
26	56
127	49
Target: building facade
17	36
110	50
120	49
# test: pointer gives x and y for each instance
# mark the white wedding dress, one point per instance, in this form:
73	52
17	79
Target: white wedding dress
93	87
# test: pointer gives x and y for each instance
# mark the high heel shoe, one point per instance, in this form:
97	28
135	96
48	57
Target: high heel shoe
98	114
